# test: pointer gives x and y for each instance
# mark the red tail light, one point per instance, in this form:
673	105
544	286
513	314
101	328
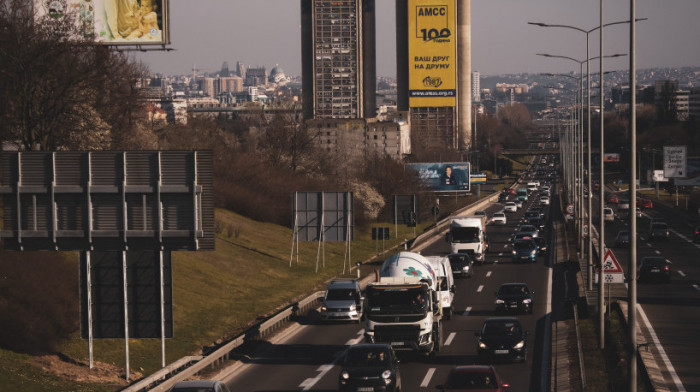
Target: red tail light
667	268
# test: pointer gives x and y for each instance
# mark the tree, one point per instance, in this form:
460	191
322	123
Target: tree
287	140
57	89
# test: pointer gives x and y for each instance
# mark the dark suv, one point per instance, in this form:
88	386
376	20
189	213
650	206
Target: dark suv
658	231
369	367
514	297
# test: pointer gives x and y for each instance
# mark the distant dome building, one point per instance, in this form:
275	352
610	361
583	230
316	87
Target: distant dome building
277	75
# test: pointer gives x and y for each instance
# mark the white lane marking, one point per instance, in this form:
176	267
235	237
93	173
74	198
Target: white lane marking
495	261
500	254
481	287
467	310
648	244
696	287
658	252
662	352
681	273
357	339
450	339
428	376
685	238
505	246
323	369
488	274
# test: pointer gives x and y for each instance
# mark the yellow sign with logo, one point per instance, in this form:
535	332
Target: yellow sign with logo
432	55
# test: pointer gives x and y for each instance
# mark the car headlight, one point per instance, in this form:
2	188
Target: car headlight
520	344
527	300
345	375
465	268
483	345
323	308
353	308
499	301
515	253
533	252
386	374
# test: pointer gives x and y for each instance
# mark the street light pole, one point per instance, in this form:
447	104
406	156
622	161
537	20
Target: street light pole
632	309
601	238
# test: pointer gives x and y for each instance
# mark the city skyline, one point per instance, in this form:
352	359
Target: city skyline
269	32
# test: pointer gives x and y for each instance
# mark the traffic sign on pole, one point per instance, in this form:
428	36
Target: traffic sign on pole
610	263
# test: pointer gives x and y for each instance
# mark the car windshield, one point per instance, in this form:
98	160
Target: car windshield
458	259
499	215
397	301
654	262
623	235
500	328
465	235
512	289
464	380
524	245
527	228
193	389
659	226
341	294
366	357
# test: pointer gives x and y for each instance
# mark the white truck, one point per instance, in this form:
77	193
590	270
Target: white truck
467	235
403	308
446	283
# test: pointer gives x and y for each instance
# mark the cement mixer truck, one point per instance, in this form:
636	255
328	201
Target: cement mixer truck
403	308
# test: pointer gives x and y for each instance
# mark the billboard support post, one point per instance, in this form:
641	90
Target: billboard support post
89	307
126	315
162	309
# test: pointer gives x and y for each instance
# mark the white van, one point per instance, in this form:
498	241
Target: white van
446	292
532	186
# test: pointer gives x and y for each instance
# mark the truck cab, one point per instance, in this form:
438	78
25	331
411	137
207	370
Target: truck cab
446	283
466	235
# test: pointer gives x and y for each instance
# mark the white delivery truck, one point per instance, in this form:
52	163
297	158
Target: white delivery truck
446	283
466	235
403	309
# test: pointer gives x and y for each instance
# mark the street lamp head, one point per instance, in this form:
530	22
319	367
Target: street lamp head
538	24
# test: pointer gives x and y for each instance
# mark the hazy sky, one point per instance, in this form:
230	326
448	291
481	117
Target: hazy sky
205	33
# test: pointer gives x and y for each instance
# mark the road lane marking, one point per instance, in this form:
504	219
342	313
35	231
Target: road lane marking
488	274
658	252
450	338
323	369
505	246
648	244
681	273
467	310
481	287
662	352
685	238
356	340
428	376
495	261
500	254
696	287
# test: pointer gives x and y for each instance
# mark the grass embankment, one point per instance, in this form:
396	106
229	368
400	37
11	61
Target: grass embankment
215	295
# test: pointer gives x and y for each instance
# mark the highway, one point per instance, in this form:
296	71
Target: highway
672	310
304	356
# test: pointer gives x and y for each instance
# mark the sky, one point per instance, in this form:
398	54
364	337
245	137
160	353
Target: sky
205	33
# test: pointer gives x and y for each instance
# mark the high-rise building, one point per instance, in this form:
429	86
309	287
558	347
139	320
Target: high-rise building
225	72
338	58
476	86
256	77
433	50
240	69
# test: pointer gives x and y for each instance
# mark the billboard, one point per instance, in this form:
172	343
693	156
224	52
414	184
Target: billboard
432	38
443	177
611	157
674	161
693	173
113	22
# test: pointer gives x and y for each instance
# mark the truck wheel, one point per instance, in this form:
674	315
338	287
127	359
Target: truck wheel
437	337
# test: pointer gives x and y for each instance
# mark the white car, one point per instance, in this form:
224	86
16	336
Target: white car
510	207
544	200
608	215
498	218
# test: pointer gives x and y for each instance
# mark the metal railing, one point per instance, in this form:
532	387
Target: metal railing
579	348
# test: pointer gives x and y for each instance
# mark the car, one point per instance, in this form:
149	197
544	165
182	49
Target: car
539	210
538	222
531	213
199	386
658	231
644	203
544	200
474	378
371	367
542	248
639	212
530	230
519	203
514	297
654	268
622	238
502	337
656	220
342	301
608	215
479	213
611	198
510	207
498	218
462	264
524	250
623	204
503	197
696	234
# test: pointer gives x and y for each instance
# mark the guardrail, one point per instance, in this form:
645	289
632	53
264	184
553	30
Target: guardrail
579	348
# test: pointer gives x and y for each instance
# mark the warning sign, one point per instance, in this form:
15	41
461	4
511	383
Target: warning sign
610	264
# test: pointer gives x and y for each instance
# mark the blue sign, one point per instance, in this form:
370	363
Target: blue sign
443	177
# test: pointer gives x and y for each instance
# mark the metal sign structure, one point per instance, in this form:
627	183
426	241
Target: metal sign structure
612	271
322	217
675	160
107	200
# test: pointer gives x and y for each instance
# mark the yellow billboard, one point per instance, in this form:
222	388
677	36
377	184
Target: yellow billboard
432	55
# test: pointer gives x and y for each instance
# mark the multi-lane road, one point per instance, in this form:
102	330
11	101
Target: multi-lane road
672	311
304	357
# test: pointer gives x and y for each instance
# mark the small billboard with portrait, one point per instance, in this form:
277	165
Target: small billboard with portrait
443	177
113	22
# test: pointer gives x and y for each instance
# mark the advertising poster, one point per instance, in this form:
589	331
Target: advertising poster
693	173
443	177
611	157
113	22
432	55
675	161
